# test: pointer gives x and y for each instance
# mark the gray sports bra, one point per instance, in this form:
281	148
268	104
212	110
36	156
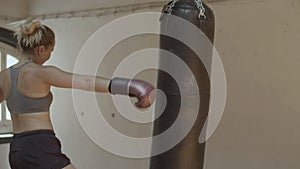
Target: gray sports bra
17	103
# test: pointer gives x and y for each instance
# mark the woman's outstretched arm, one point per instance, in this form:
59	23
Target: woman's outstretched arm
143	91
59	78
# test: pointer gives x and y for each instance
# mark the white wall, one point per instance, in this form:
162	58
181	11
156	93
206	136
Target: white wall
259	45
84	153
38	7
4	149
14	8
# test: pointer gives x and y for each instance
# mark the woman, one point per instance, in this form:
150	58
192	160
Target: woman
26	88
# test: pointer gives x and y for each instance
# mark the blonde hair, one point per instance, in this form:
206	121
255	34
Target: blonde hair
32	34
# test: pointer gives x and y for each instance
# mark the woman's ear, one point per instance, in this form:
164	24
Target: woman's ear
41	50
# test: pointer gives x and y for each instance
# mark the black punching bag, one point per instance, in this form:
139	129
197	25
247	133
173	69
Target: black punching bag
188	153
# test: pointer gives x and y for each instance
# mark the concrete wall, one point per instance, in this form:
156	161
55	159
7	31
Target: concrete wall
258	42
71	36
38	7
14	8
4	149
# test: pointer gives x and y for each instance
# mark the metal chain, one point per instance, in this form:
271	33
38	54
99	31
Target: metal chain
170	7
201	9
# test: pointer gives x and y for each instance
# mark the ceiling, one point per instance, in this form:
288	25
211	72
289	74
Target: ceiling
20	9
38	7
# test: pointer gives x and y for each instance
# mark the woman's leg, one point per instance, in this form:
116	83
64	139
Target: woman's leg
69	167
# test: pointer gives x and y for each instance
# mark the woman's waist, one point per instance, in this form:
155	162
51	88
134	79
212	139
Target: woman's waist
31	122
33	132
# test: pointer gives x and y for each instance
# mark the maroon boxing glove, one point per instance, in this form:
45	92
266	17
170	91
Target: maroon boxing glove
142	90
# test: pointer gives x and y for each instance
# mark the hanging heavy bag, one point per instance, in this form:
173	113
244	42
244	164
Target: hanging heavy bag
189	153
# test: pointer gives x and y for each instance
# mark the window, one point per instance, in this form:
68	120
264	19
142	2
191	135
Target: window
8	59
8	44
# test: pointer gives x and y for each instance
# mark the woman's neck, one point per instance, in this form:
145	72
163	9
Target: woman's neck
25	57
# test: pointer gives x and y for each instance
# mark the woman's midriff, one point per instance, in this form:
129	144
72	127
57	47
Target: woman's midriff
31	121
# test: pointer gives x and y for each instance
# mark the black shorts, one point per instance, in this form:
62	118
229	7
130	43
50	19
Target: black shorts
38	149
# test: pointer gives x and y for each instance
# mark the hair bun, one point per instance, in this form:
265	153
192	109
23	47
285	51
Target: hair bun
30	27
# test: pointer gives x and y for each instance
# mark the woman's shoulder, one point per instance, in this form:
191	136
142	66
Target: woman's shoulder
40	69
44	72
4	75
